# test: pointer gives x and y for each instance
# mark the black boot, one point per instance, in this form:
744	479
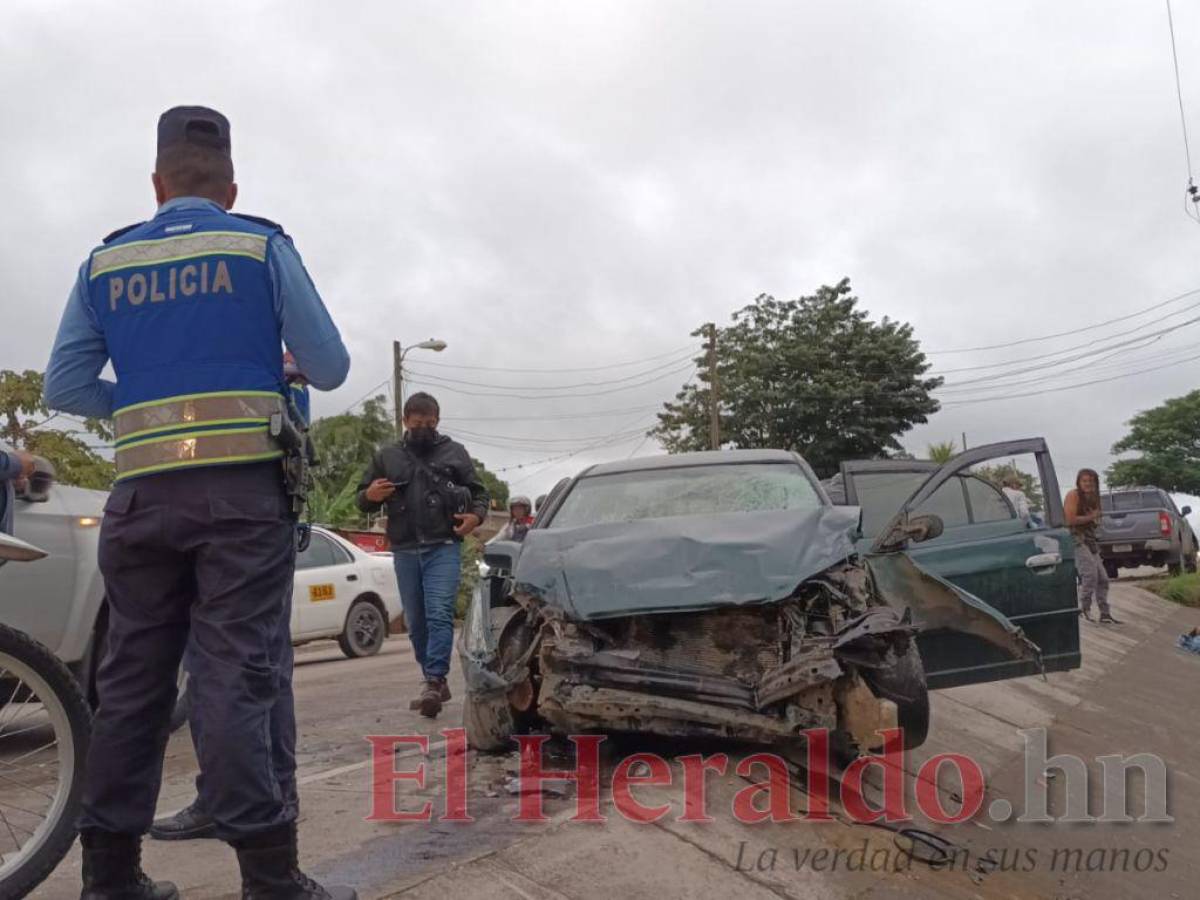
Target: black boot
271	869
189	824
112	869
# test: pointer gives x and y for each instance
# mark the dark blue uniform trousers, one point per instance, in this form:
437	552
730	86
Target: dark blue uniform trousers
202	560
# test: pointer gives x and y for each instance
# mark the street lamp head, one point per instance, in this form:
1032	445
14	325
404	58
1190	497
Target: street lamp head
432	344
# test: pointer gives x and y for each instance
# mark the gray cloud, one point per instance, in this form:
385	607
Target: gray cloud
558	185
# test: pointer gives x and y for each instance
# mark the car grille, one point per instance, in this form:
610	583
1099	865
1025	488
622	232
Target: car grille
742	643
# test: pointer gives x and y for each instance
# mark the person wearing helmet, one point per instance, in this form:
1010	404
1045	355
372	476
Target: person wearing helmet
520	518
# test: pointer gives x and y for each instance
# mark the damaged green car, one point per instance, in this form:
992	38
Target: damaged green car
724	594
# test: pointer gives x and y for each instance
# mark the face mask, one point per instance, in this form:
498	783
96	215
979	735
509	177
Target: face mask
422	436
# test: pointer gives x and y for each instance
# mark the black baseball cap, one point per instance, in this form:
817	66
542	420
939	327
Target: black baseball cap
196	125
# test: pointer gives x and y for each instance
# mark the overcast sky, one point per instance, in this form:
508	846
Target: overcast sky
570	185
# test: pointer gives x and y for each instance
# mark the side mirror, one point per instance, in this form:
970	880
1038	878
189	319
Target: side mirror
15	549
1186	511
36	488
501	554
925	527
915	529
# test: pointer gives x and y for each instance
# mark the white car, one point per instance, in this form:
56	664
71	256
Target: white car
341	592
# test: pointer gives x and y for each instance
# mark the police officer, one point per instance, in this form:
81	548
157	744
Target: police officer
197	546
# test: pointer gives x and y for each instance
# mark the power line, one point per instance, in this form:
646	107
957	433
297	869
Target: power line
1048	337
1093	366
603	414
622	365
1131	344
628	387
416	370
561	457
1091	343
1069	387
366	396
1187	152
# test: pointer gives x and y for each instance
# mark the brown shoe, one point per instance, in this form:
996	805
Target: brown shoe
443	693
415	702
431	698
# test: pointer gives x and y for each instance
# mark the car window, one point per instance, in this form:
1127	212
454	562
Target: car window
988	503
341	555
1126	501
881	494
686	491
319	552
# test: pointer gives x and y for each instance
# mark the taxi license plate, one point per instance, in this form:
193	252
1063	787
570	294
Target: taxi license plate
319	592
1122	548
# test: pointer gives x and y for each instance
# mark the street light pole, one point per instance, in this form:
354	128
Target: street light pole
714	390
398	354
397	382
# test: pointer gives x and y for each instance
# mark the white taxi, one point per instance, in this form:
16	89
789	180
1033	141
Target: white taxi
345	593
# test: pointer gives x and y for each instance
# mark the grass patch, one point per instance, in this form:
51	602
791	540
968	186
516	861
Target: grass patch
1182	589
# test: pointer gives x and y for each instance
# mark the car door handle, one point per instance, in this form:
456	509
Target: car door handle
352	577
1043	560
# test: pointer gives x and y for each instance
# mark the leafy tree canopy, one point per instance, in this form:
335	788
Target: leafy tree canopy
1030	484
1167	441
942	452
814	375
26	423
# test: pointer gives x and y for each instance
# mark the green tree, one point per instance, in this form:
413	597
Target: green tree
497	488
942	452
814	375
345	444
25	423
1167	441
1031	485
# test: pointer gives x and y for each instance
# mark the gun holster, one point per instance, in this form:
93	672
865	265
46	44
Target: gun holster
299	454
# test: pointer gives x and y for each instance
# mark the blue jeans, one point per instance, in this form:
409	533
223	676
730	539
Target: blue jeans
428	580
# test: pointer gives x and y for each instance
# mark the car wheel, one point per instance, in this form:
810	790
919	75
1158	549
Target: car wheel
364	631
489	722
904	684
1189	563
1112	571
1175	567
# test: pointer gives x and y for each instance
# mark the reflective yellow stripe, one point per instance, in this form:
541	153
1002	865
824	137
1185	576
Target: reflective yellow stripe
228	460
197	448
188	426
179	247
191	410
190	435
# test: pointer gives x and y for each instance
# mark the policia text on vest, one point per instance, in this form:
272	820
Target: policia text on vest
179	278
181	281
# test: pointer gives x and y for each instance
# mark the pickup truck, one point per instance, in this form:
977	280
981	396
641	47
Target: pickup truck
340	591
1142	526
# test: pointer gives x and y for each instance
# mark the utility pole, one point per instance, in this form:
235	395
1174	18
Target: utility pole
714	391
398	378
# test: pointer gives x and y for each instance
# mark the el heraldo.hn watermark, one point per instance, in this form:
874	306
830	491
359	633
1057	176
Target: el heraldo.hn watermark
681	785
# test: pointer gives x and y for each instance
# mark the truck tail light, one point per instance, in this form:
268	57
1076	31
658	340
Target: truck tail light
1164	524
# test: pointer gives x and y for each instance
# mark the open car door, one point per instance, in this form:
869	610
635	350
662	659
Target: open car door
1022	569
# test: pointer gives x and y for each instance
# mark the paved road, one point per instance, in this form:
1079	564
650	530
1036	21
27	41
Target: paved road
1134	693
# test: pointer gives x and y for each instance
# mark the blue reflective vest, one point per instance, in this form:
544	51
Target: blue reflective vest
186	306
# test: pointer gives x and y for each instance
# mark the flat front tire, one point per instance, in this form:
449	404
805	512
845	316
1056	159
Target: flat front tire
904	684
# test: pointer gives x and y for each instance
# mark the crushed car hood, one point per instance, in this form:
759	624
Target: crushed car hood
682	563
693	563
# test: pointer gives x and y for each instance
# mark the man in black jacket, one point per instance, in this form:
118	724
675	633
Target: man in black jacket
434	499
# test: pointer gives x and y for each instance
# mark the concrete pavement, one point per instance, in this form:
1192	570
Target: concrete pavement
1134	693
